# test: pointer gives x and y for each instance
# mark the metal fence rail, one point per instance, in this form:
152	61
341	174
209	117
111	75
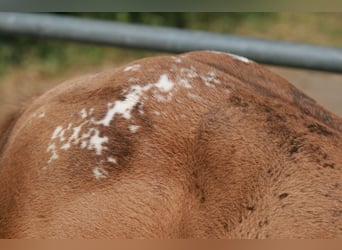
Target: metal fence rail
171	40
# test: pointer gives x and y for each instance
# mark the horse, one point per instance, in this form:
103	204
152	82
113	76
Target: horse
203	144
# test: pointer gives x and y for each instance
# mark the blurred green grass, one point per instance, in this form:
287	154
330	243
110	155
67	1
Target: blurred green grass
53	57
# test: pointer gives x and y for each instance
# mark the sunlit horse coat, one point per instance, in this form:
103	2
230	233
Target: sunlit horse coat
199	145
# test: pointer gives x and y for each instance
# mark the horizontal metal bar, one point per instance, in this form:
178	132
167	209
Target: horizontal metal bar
171	40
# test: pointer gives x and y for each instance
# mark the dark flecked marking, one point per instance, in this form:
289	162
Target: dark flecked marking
271	172
329	165
251	208
309	106
237	101
319	129
202	199
122	98
274	117
200	193
283	196
294	150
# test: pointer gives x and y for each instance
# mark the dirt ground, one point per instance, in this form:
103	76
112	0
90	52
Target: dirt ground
19	86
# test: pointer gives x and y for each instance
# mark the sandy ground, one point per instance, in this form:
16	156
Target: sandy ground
19	86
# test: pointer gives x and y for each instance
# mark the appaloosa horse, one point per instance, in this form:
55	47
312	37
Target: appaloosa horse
198	145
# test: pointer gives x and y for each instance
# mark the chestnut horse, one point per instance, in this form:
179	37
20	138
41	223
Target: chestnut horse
199	145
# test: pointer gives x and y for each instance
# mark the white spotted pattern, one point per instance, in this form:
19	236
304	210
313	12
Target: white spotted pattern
83	113
164	84
133	128
112	160
240	58
134	67
39	114
86	133
99	173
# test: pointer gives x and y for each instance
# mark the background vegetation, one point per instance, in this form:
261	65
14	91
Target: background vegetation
51	56
30	66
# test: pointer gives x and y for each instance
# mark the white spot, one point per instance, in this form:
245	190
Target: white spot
164	84
147	87
132	67
84	143
240	58
185	83
74	137
209	79
99	173
169	96
85	137
159	97
66	146
133	128
190	73
157	113
83	113
112	160
177	59
132	79
96	141
56	132
124	108
62	132
39	114
52	148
